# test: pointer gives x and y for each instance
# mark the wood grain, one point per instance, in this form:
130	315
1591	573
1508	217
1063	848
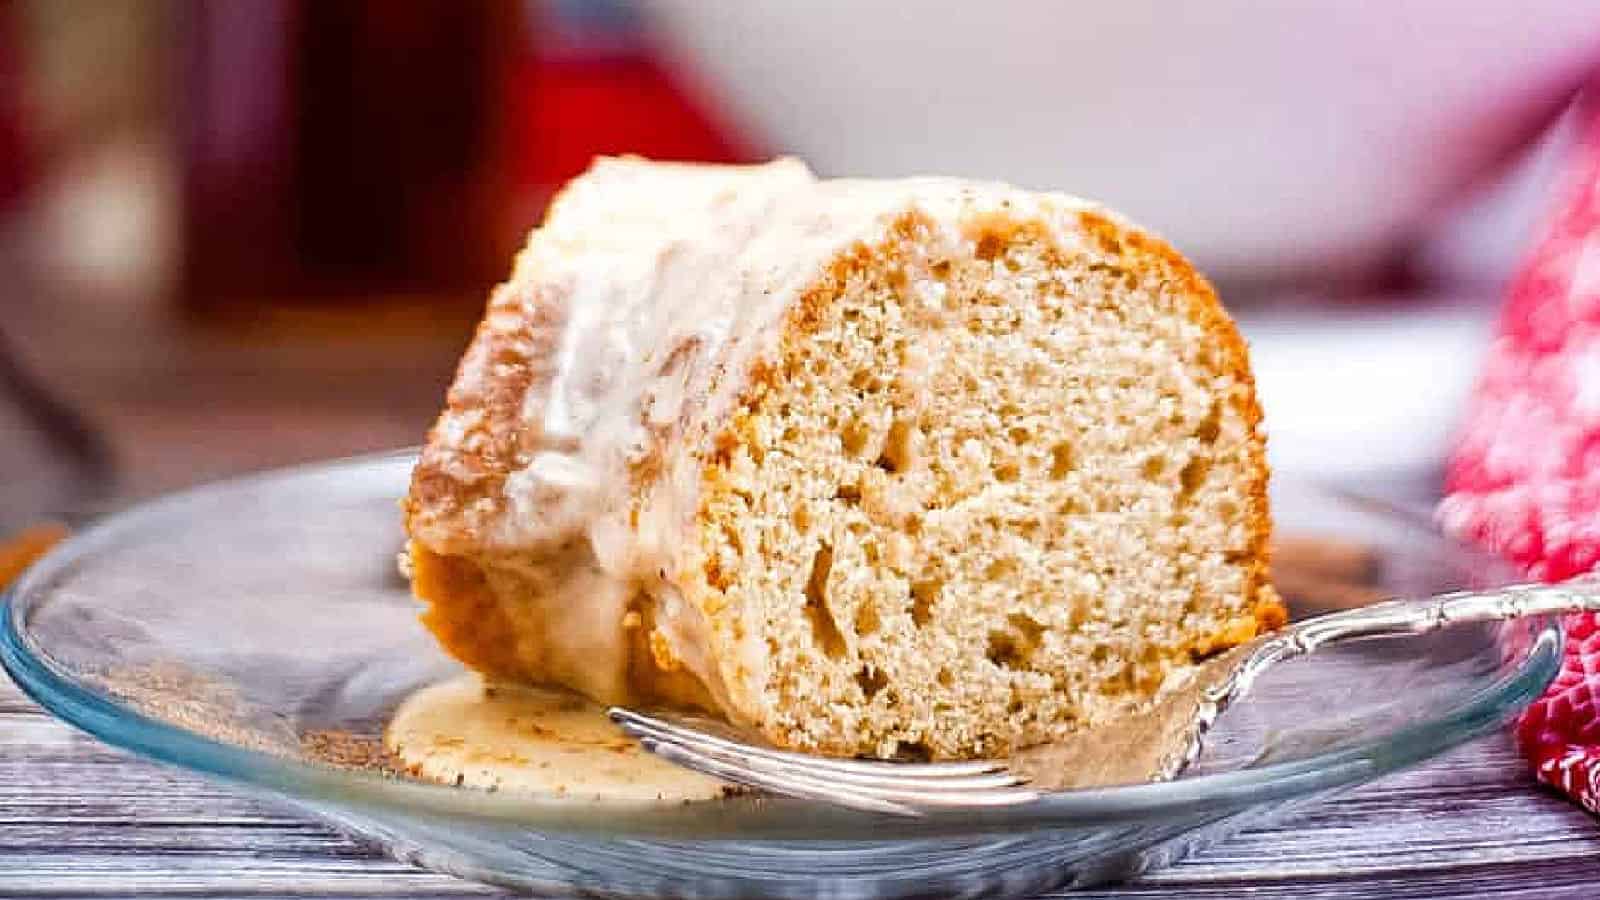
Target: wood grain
80	819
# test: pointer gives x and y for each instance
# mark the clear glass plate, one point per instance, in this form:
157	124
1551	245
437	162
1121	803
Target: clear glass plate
232	629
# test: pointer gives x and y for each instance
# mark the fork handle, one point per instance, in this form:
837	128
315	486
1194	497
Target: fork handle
1392	618
1395	618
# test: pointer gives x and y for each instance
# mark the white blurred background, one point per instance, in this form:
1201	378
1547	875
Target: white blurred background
1359	178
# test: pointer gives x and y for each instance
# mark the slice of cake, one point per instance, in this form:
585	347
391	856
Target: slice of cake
923	467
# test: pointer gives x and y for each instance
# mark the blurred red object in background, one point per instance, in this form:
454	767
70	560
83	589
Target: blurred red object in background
344	150
1524	479
13	156
338	149
593	84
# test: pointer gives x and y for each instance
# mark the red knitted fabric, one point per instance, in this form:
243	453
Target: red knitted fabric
1525	478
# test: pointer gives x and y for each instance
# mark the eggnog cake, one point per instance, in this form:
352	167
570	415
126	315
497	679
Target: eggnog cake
923	467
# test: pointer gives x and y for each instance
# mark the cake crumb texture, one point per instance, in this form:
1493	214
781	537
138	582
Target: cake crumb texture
966	468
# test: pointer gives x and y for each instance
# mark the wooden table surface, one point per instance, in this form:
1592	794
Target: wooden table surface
80	819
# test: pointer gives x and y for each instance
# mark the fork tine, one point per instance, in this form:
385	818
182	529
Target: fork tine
804	789
629	720
905	802
893	776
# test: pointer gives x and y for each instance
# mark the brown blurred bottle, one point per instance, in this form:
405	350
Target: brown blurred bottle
343	151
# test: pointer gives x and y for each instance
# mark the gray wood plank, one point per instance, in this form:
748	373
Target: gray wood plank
78	818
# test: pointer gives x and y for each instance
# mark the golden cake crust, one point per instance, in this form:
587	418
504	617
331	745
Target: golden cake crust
1268	610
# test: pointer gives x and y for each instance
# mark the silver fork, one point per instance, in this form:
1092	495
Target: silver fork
1172	729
